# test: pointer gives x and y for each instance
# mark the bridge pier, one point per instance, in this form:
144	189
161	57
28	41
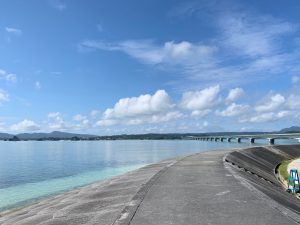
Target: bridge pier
271	141
252	140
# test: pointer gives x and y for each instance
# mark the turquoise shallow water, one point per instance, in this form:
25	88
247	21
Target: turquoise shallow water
32	170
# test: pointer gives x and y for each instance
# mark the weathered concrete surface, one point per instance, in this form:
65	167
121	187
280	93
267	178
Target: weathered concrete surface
99	203
198	189
202	189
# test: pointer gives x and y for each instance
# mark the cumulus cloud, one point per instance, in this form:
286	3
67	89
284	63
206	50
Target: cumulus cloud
24	126
200	113
94	113
271	104
267	117
56	121
4	96
9	77
79	117
233	110
142	105
138	110
13	31
201	102
234	94
106	122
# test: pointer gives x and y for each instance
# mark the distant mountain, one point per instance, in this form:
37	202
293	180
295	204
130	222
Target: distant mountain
54	134
5	136
293	129
46	136
57	135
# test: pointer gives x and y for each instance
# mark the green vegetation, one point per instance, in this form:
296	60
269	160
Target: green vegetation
282	170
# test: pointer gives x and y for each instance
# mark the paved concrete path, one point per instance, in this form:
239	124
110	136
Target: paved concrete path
200	190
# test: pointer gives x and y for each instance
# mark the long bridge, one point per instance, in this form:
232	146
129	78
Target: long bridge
251	138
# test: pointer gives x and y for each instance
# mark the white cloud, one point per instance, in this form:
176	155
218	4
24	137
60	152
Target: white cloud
234	94
293	102
9	77
79	117
170	53
267	117
38	85
54	115
4	96
94	113
82	122
205	124
247	48
271	104
142	105
56	121
24	126
139	110
156	118
200	113
106	122
14	31
295	79
233	110
58	4
252	35
200	102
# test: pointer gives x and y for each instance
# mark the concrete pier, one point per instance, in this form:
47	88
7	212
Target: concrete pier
271	141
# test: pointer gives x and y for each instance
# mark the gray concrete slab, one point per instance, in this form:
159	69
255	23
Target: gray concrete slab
201	190
99	203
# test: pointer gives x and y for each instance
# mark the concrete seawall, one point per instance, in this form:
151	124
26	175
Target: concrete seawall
215	187
257	166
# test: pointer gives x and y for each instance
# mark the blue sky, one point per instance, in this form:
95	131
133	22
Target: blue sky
111	67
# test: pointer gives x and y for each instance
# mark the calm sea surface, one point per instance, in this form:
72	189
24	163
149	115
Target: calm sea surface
30	170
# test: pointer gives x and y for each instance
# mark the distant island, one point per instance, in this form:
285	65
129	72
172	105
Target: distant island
58	135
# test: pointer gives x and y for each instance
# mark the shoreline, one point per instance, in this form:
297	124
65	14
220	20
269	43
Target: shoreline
38	200
149	195
142	175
